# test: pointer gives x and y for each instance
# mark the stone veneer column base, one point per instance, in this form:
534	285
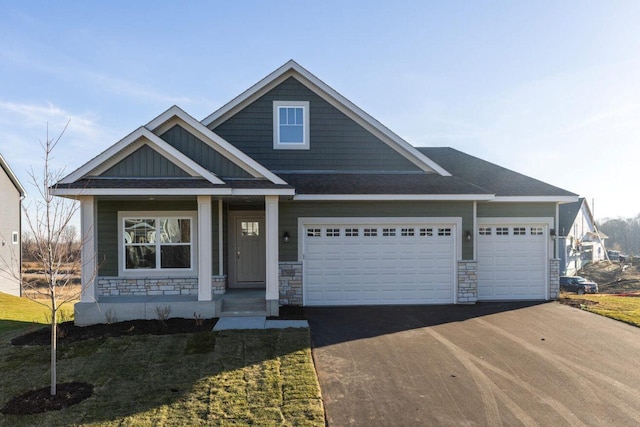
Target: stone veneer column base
290	279
467	282
218	285
554	278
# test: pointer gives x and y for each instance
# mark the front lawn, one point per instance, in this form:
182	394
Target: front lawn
623	308
17	313
263	377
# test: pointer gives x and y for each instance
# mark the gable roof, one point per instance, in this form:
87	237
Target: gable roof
293	69
568	214
86	179
14	179
506	184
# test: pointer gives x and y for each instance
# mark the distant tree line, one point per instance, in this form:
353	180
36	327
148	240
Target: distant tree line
624	234
69	243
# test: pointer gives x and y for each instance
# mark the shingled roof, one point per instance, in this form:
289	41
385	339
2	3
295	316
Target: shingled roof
495	179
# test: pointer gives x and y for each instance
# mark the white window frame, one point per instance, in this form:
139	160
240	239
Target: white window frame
304	145
158	271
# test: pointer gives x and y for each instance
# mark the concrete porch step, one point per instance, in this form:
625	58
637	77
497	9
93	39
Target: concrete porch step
242	304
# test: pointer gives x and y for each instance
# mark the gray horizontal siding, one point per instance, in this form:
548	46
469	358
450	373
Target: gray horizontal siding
508	210
336	141
108	226
203	154
291	211
145	162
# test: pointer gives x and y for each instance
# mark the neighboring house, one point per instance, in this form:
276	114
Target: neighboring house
11	195
293	190
580	242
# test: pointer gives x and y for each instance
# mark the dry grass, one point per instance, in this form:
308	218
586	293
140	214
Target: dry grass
35	285
623	308
263	377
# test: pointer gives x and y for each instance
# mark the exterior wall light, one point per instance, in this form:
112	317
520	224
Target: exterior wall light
285	237
468	236
552	233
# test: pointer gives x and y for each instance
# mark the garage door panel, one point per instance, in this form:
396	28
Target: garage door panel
512	262
383	267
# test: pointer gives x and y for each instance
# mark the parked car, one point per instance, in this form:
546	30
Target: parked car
578	284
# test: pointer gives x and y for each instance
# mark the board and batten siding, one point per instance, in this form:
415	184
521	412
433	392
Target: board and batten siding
144	162
336	141
291	211
108	228
203	154
9	223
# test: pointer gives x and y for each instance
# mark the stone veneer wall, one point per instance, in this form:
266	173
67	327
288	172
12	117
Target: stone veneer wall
467	282
119	286
218	285
290	275
554	278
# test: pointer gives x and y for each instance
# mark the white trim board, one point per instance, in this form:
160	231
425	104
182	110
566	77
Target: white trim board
170	192
382	197
293	69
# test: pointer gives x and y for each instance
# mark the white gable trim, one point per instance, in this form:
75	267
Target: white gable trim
128	145
538	199
151	192
393	197
293	69
166	120
14	179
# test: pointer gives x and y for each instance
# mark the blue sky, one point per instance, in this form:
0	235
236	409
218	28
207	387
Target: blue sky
549	89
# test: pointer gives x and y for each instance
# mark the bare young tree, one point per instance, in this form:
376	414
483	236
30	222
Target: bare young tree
53	245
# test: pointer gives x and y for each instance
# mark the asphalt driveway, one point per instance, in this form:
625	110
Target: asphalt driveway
486	365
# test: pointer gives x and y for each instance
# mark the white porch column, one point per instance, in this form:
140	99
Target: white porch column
204	248
89	270
272	241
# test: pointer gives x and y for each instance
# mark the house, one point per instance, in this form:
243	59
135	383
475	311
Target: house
292	195
11	194
580	242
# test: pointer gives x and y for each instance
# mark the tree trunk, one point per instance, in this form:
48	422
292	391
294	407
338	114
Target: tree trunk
54	348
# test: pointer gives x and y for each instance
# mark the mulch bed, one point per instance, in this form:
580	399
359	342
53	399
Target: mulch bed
577	303
68	332
41	400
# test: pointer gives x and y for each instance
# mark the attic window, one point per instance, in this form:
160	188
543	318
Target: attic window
290	125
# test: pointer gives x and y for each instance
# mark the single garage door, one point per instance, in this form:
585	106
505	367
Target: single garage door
512	261
379	263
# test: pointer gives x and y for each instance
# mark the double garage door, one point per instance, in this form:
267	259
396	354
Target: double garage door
512	261
347	262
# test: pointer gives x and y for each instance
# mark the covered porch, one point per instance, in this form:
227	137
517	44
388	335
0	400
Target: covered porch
233	269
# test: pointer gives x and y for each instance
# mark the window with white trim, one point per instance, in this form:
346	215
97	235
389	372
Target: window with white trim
370	232
314	232
426	232
519	231
15	238
291	125
351	232
158	242
407	232
502	231
388	232
333	232
537	231
444	232
484	231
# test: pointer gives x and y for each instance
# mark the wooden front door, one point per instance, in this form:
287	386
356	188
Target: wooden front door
247	250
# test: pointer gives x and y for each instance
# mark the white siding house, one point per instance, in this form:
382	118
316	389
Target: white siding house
11	195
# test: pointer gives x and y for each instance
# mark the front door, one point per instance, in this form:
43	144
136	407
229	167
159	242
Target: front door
247	250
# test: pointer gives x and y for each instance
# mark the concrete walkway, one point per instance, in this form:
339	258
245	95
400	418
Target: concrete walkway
257	322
